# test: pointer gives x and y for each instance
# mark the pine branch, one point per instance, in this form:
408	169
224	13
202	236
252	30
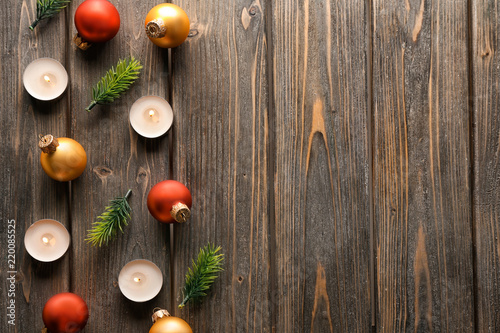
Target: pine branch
204	271
48	8
108	223
115	82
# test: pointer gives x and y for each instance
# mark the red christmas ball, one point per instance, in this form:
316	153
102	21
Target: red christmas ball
97	21
169	201
65	313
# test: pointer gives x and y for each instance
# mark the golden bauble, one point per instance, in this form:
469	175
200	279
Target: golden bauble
167	25
170	325
64	159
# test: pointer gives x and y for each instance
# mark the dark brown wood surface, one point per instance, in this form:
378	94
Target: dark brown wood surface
486	189
221	131
119	159
28	195
344	154
421	167
321	166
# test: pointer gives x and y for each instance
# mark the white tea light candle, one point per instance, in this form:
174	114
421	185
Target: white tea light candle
140	280
46	240
151	116
45	79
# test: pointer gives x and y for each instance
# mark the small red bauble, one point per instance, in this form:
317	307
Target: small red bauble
97	21
65	313
169	201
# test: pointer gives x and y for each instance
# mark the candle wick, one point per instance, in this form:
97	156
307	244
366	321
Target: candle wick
136	279
45	240
151	113
47	78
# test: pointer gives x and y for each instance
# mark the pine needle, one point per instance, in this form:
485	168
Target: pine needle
115	82
48	8
204	271
108	223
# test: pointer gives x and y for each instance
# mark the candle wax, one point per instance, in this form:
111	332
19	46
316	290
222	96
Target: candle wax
45	79
151	116
46	240
140	280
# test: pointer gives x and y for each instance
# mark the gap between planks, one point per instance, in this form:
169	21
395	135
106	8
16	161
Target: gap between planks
472	183
371	142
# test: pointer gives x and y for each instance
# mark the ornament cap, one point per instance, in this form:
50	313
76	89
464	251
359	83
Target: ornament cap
180	212
156	28
158	314
48	143
81	43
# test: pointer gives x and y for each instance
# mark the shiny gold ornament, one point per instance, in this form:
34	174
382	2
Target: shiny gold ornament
167	25
63	159
165	323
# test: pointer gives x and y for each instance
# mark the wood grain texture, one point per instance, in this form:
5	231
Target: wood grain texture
28	194
486	124
421	167
321	166
118	159
220	153
278	109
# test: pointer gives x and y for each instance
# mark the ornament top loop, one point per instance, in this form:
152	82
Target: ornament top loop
81	43
180	212
158	314
48	143
156	28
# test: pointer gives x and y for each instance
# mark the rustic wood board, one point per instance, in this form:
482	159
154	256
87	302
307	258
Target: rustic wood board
486	125
118	159
292	120
28	194
220	153
421	167
321	166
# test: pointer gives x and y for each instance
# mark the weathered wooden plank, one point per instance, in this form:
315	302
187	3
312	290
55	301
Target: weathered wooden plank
28	194
118	159
321	166
486	125
421	167
221	136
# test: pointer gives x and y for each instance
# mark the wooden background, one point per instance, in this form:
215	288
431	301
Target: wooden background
345	155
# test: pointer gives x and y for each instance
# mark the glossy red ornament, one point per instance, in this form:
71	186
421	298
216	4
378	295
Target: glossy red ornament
97	21
65	313
169	201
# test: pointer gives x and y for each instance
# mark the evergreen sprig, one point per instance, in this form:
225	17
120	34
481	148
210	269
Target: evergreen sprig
200	277
108	223
115	82
48	8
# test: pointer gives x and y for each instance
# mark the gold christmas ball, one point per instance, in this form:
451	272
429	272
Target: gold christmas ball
171	325
63	159
167	25
165	323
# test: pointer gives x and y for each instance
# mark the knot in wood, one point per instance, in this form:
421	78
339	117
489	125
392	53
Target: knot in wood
103	171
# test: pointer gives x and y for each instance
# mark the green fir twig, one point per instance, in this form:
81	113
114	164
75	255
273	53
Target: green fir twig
48	8
108	223
204	271
115	82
